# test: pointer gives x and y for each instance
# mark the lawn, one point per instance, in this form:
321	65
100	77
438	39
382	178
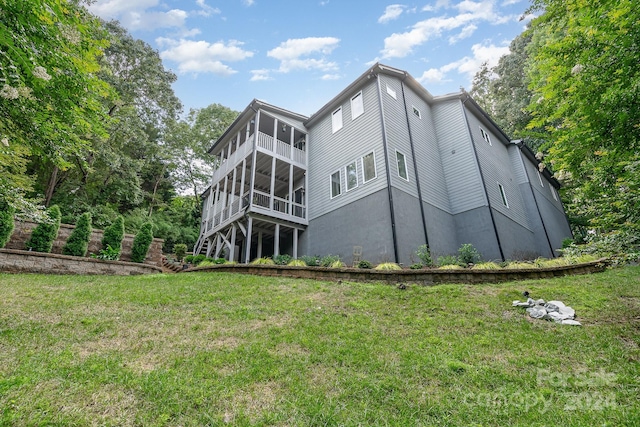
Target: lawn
200	349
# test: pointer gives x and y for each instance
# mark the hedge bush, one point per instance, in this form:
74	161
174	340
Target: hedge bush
113	235
6	222
45	233
179	249
141	243
78	241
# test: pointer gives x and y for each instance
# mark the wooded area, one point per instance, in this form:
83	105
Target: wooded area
89	120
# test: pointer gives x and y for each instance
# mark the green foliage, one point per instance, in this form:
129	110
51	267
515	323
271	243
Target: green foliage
364	264
6	222
388	266
416	266
189	258
221	261
180	250
114	234
328	260
337	264
141	243
311	260
424	254
451	267
45	233
197	259
467	254
487	266
620	246
78	241
282	259
263	261
297	263
109	254
448	260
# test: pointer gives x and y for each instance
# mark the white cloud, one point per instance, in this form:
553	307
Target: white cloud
392	12
206	10
134	15
431	75
292	53
399	45
201	56
260	75
248	2
331	77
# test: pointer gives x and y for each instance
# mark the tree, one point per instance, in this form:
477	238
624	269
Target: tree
113	235
45	233
584	73
78	242
141	243
6	222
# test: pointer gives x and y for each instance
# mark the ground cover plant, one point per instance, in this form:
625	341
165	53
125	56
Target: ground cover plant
197	349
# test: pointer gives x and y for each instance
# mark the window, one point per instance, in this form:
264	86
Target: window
391	92
503	195
540	179
402	166
554	193
336	120
416	112
369	167
485	136
357	106
352	176
336	185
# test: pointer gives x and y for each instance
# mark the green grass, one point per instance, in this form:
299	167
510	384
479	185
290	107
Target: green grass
200	349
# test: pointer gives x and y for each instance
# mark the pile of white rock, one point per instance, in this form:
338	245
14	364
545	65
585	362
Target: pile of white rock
552	310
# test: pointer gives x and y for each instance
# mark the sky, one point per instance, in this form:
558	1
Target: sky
299	54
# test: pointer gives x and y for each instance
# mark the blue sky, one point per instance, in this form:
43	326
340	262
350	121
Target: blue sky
298	54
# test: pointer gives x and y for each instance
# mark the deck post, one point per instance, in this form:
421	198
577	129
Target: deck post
295	243
273	182
259	254
290	206
276	241
244	172
247	256
232	246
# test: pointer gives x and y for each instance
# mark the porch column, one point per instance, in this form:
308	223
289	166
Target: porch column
209	246
290	207
273	182
229	151
244	172
216	195
247	256
276	241
232	246
218	248
226	196
259	254
233	190
295	243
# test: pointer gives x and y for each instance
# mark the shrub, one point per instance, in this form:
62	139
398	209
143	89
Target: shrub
450	267
621	246
141	243
189	258
424	254
326	261
6	222
219	261
78	241
416	266
337	264
364	264
263	261
282	259
198	259
311	261
448	260
108	254
45	233
206	263
387	266
180	250
487	266
467	254
297	263
226	262
113	235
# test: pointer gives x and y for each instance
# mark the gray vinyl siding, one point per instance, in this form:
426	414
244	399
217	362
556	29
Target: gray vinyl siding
517	165
460	170
329	152
497	169
545	190
430	170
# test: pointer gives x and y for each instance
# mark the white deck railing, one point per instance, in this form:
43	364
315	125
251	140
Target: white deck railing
281	148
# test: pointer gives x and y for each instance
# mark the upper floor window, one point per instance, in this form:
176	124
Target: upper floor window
357	106
336	184
336	120
402	165
540	179
416	112
503	195
554	193
485	136
352	176
369	167
391	92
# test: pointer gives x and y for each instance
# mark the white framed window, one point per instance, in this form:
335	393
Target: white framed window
336	120
554	193
503	195
351	173
485	136
391	92
368	167
336	184
416	111
402	166
357	106
540	179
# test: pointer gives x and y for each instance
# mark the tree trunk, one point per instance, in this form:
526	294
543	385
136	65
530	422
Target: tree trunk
51	186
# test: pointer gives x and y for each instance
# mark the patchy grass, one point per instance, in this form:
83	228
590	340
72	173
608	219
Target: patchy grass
202	349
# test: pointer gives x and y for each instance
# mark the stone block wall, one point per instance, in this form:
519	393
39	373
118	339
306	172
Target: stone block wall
23	230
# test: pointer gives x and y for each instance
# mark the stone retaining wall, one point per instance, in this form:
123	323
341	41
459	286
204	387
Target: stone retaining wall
14	261
23	229
423	277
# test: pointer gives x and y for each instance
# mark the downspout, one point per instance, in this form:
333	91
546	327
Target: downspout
519	144
386	165
484	185
415	163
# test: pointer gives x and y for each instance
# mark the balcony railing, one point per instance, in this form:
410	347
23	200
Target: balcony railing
281	148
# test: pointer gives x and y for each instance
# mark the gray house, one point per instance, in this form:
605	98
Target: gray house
381	169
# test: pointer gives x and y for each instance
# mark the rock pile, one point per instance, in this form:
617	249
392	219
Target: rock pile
552	310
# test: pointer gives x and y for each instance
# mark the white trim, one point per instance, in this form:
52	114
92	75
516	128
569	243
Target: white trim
391	92
485	135
375	171
346	175
503	194
336	124
357	108
331	184
404	160
540	179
